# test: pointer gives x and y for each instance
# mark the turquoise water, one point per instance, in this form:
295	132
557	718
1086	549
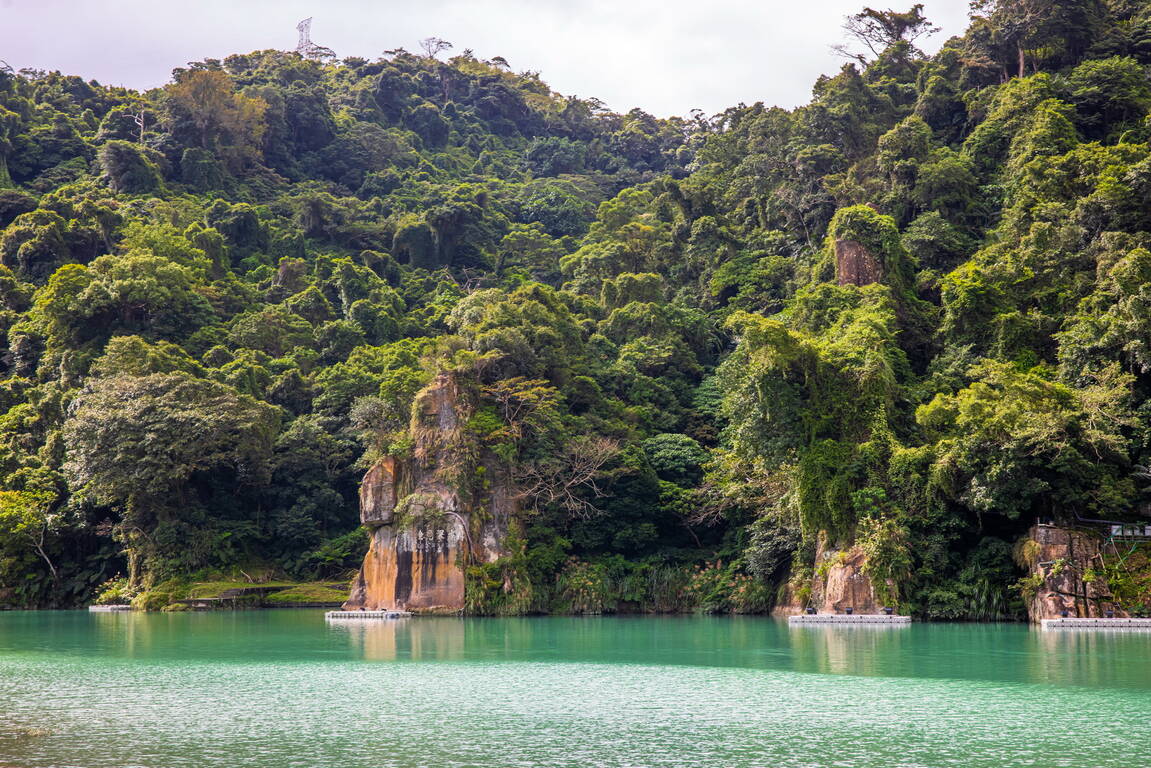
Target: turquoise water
282	688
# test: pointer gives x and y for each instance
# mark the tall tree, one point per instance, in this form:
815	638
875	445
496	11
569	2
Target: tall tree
204	106
137	443
878	30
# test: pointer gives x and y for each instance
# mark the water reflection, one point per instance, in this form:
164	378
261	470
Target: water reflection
995	653
854	650
279	688
395	639
1106	657
988	652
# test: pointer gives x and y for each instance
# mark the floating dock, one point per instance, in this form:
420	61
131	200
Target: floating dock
109	608
340	615
850	619
1103	624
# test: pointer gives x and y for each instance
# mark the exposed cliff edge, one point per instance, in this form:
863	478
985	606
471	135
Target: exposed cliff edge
1065	573
429	517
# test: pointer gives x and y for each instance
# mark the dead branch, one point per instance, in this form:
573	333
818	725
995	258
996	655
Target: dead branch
567	480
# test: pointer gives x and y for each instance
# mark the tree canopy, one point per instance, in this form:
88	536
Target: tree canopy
910	316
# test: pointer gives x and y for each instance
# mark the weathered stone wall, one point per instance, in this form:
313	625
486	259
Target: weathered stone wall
1060	557
426	526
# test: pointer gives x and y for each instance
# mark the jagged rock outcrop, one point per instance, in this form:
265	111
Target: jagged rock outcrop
380	491
855	265
429	515
839	583
1058	559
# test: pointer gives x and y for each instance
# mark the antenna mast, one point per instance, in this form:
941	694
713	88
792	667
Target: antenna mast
309	50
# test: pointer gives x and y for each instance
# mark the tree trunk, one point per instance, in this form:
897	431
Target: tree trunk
39	544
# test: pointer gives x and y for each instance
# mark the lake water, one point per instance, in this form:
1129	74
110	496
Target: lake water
283	688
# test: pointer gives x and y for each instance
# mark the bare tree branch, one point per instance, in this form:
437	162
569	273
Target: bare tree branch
566	480
877	30
433	46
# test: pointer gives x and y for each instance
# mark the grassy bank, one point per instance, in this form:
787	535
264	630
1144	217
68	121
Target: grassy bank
225	594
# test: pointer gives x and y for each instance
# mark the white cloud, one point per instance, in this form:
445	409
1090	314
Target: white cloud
666	57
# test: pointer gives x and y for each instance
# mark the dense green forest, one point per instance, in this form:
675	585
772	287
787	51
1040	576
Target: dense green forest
913	314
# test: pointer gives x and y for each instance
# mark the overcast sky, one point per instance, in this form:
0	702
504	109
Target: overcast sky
665	56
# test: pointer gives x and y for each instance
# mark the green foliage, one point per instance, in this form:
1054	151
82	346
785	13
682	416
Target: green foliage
204	107
1015	442
116	591
138	444
583	587
676	458
1110	96
885	543
716	588
29	523
340	554
308	594
129	169
210	321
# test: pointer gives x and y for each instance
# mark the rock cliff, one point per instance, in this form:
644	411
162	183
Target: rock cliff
429	515
1065	574
855	265
839	583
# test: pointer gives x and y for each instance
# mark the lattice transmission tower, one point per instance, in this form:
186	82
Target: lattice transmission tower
307	48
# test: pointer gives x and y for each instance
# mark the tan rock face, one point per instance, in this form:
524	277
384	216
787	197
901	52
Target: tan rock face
1060	558
844	586
847	586
427	527
855	265
380	491
414	568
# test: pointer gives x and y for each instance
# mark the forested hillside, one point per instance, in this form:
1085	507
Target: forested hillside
912	316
